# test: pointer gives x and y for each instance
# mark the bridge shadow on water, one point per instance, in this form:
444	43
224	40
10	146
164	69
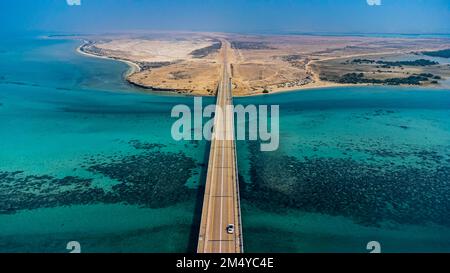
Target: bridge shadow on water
195	230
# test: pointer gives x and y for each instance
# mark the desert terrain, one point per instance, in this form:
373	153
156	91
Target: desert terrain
189	63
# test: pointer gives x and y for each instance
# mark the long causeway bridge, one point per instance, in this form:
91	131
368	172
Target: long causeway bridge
220	228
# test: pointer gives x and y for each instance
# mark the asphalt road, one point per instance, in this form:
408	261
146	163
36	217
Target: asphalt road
221	202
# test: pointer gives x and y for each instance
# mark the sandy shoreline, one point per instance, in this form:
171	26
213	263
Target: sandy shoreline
135	68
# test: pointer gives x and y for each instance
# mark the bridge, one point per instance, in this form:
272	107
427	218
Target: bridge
221	204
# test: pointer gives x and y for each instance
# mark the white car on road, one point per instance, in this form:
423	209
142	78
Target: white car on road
230	229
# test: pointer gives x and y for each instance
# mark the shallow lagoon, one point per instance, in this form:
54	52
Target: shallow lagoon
79	162
86	157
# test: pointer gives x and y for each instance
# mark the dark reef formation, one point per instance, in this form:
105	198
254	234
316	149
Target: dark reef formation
139	145
151	178
368	192
20	191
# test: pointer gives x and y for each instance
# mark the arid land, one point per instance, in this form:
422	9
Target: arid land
189	63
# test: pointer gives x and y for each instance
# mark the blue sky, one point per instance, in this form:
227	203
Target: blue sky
349	16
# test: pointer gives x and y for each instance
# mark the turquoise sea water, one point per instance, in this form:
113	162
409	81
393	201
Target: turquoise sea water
355	165
78	162
86	157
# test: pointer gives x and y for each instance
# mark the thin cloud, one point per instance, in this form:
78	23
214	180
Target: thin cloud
374	2
73	2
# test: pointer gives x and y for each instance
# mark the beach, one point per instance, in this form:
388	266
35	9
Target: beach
272	64
134	67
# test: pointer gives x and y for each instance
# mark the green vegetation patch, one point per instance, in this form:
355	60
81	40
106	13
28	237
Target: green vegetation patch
420	62
204	52
250	45
445	53
355	78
